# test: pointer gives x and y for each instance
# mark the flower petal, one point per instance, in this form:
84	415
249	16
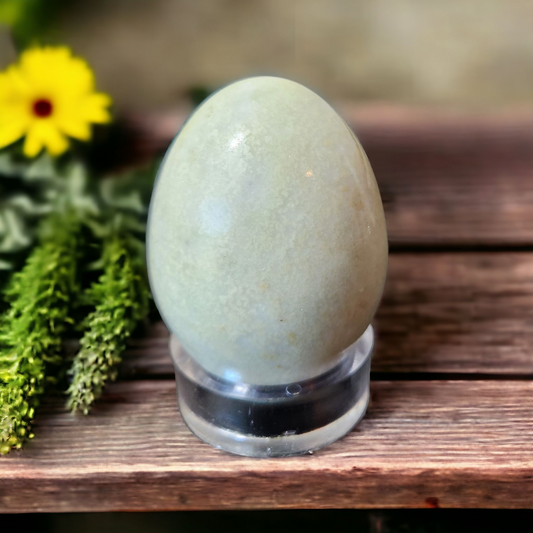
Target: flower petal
33	143
11	132
94	108
55	69
55	142
76	128
44	133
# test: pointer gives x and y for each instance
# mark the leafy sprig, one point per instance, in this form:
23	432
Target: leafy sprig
40	298
120	300
120	297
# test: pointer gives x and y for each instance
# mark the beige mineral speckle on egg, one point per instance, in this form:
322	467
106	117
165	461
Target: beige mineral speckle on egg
267	246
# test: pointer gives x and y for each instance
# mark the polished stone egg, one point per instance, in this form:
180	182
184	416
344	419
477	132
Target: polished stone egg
267	244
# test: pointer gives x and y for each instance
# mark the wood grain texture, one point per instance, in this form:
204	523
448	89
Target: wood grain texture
457	312
466	313
459	444
446	178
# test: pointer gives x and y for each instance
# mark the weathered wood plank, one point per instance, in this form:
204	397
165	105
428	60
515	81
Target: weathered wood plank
446	178
441	312
459	312
453	187
452	444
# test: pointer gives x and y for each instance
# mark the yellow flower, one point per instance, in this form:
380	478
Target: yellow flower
47	96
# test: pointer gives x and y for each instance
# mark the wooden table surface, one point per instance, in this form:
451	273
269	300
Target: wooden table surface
450	422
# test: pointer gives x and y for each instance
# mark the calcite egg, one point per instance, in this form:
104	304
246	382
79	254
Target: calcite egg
267	245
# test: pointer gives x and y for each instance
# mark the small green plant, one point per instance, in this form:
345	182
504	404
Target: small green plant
120	301
31	331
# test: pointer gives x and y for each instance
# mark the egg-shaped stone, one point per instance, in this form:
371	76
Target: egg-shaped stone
267	245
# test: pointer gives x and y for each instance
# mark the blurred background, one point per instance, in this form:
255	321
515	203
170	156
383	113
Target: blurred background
149	53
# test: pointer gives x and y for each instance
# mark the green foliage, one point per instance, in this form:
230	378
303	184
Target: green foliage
29	192
43	296
31	21
123	201
23	202
120	296
198	94
40	298
120	300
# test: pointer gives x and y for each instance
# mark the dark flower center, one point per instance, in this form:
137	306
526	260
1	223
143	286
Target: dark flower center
42	108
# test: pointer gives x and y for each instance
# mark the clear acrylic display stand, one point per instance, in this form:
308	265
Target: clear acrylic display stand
275	420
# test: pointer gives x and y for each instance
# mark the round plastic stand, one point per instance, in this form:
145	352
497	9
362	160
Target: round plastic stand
278	420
